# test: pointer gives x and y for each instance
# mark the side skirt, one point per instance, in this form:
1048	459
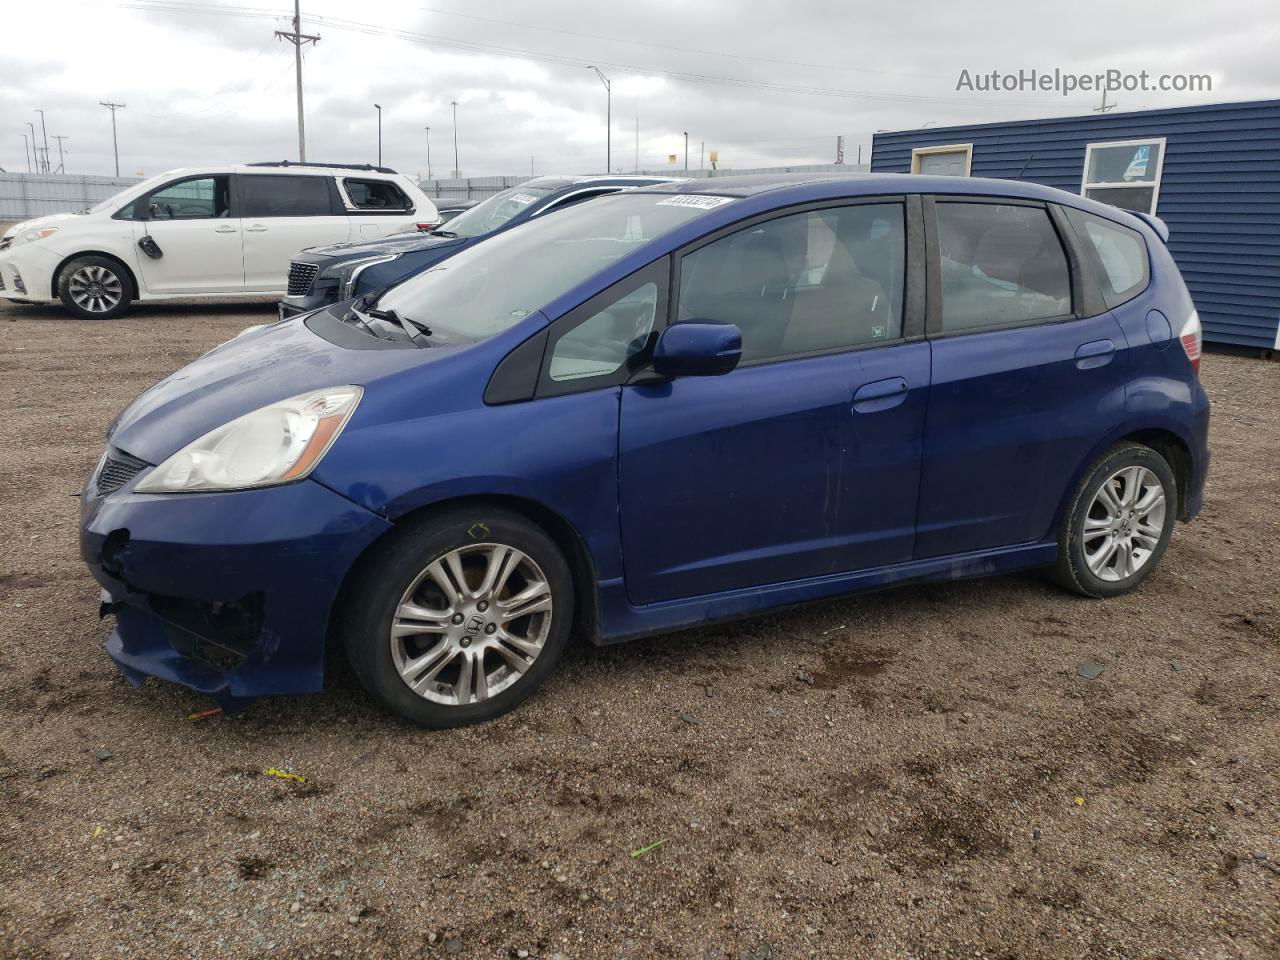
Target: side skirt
620	621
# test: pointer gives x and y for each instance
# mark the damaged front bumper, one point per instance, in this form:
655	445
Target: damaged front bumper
229	594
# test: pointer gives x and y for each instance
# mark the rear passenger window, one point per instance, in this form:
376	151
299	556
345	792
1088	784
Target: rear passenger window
1001	264
375	195
276	195
806	283
1122	255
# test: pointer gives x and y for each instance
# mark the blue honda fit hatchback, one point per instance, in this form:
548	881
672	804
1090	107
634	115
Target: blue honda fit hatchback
665	407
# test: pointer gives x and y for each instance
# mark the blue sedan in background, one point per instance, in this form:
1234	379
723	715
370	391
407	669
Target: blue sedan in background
319	276
670	406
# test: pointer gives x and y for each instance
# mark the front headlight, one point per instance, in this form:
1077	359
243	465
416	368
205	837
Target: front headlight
348	272
30	236
275	444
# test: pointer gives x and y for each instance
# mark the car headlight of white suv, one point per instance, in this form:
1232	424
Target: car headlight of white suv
278	443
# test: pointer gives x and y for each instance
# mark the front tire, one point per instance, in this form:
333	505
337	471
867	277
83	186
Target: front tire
1119	522
95	288
460	618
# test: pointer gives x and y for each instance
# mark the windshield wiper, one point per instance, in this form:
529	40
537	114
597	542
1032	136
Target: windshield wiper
444	233
414	328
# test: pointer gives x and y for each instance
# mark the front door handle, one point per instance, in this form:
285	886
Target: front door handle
880	395
224	229
1096	353
256	228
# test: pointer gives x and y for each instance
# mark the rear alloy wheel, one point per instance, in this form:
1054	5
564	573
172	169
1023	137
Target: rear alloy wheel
94	288
459	618
1119	524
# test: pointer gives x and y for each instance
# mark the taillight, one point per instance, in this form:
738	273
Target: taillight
427	227
1190	338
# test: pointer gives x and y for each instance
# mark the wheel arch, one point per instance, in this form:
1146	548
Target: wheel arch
1165	441
586	613
62	265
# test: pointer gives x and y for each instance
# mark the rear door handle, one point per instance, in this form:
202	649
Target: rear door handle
224	229
1096	353
880	395
256	228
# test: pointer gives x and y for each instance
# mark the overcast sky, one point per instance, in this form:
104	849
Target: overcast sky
207	82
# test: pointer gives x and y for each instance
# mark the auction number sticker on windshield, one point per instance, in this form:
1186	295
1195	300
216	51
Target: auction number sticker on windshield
694	200
523	199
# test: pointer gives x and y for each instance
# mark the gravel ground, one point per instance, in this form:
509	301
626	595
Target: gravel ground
919	773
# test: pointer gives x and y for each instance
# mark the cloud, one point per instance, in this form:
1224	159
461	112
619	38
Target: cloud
764	86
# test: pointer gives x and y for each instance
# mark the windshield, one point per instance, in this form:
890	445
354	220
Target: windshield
115	199
493	285
489	215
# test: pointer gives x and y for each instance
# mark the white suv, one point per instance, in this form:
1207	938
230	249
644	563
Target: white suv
209	232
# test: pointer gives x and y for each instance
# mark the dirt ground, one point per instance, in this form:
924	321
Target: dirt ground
919	773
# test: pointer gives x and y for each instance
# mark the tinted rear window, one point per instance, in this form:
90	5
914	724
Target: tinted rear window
375	195
274	195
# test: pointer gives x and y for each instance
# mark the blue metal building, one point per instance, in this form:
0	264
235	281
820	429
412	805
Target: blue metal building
1212	173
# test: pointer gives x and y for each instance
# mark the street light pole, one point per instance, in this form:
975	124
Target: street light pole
686	150
27	150
378	107
35	146
608	119
457	173
428	129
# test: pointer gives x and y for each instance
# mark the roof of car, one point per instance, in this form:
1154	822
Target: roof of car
620	179
858	183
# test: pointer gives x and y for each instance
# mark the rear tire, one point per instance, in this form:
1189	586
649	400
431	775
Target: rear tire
459	618
95	288
1119	523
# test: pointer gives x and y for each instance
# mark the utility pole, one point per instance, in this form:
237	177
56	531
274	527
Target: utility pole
428	129
27	150
637	143
298	38
115	146
1105	106
45	133
378	107
62	167
457	173
35	145
608	119
839	150
686	150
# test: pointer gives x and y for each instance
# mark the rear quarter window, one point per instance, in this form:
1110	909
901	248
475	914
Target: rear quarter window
376	195
1120	256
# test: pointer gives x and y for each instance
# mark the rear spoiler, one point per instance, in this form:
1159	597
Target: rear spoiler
1155	223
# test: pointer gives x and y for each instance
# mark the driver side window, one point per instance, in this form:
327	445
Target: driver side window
203	198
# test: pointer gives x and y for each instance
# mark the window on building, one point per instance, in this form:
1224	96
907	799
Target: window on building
1125	174
953	160
375	195
1001	264
276	195
1121	255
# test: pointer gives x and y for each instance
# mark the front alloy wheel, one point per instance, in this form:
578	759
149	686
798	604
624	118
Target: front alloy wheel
458	617
471	624
95	288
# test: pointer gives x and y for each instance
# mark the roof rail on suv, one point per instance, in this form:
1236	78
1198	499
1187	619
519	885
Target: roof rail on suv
336	166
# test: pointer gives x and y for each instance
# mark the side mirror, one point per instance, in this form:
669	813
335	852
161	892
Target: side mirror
697	349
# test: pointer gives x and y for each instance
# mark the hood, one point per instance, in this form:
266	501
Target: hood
251	371
36	223
351	249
